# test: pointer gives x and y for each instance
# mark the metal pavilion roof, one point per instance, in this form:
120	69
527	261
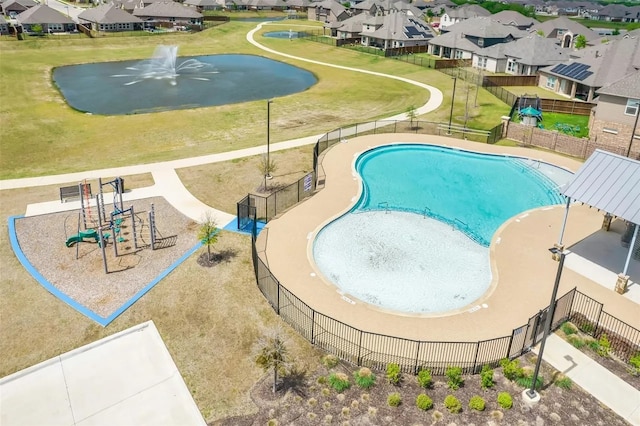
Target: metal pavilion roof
608	182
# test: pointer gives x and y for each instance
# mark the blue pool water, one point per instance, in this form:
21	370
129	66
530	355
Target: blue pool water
417	240
475	193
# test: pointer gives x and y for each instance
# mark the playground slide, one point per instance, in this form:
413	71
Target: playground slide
78	238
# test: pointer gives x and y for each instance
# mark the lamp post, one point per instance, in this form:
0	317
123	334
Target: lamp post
633	129
453	98
267	166
531	393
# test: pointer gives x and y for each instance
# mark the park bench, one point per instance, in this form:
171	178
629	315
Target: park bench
72	192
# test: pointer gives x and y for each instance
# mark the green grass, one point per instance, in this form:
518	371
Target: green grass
42	135
551	119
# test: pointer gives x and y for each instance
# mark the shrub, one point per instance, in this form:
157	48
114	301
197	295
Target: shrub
339	381
604	346
486	377
568	328
476	403
454	374
593	345
453	404
563	382
504	400
364	378
330	361
526	381
425	379
634	361
394	399
393	373
587	327
576	341
511	369
423	402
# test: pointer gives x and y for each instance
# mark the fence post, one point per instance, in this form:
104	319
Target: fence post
595	330
360	349
313	326
278	298
511	343
415	369
475	359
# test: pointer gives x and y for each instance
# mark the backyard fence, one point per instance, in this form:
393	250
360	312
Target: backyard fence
375	350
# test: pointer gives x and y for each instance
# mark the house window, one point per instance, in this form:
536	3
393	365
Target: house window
551	82
512	66
481	42
632	107
482	62
458	54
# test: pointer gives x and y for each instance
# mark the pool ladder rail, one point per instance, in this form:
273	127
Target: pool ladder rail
384	205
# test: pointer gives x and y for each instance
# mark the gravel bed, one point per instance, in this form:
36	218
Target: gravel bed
42	239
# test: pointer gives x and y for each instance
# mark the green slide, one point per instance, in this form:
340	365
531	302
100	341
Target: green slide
89	233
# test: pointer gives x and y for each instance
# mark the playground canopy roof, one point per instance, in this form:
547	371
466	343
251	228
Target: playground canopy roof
608	182
530	111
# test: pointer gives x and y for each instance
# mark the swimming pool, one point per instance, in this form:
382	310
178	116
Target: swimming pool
417	239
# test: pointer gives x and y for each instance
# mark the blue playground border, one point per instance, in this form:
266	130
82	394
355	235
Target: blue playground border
103	321
15	245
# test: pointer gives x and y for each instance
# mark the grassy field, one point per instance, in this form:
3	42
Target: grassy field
208	318
42	135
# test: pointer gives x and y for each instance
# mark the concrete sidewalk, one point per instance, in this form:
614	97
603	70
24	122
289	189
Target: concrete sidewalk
615	393
128	378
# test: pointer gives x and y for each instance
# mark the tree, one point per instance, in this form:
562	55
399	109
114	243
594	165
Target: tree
540	33
615	32
266	168
411	114
581	42
208	232
272	353
37	28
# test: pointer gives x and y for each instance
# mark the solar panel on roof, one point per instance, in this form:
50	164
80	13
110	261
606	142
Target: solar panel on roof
412	31
558	68
575	70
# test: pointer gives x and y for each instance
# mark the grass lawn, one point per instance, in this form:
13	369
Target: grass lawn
550	120
42	135
208	317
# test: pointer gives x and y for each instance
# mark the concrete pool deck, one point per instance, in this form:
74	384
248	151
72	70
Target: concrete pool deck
523	271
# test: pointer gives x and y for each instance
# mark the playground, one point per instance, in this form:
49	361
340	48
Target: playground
71	258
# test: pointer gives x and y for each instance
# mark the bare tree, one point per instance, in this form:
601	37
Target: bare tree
266	167
272	353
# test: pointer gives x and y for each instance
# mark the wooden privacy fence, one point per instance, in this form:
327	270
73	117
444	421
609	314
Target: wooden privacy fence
566	106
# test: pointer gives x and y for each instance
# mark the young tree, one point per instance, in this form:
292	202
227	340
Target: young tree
411	114
208	232
581	42
266	168
272	353
540	33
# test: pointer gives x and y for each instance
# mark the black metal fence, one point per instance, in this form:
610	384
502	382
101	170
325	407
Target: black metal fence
267	207
374	350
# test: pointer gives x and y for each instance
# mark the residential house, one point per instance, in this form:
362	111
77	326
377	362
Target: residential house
108	17
594	67
395	30
350	28
452	16
465	38
617	13
517	19
201	5
168	12
46	19
524	56
266	5
614	120
327	11
13	8
564	30
301	5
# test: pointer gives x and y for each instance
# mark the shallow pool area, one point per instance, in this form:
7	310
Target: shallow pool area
417	240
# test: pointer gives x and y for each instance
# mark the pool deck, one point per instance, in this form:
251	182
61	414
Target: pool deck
522	268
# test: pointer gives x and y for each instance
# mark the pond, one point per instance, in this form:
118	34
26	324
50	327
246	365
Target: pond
167	82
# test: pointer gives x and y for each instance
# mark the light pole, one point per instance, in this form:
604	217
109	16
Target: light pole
633	129
531	393
267	166
453	98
